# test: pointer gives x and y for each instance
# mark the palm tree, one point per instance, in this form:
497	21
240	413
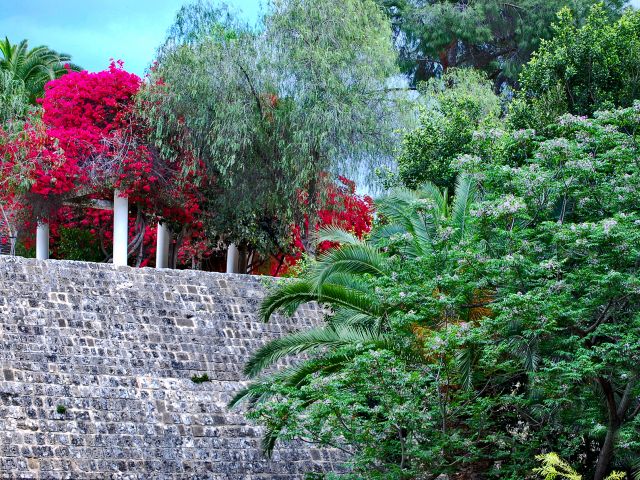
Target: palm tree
419	216
34	67
341	280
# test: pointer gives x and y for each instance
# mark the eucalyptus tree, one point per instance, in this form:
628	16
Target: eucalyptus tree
268	110
34	67
14	103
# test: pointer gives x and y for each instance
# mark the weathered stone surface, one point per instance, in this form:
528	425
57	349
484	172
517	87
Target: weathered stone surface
116	347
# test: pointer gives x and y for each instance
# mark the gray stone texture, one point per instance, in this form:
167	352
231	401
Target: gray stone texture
116	347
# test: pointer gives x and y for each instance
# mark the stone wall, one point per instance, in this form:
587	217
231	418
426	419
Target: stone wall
117	349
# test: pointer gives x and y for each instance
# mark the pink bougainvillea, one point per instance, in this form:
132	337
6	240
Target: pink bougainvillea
88	141
91	116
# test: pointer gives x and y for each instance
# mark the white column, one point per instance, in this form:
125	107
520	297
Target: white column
232	258
120	229
162	246
42	240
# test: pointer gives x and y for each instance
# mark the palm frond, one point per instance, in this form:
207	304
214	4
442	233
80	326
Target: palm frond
401	207
289	296
34	67
350	317
385	232
527	351
398	208
465	195
294	376
429	191
269	439
352	259
310	340
464	364
336	234
350	281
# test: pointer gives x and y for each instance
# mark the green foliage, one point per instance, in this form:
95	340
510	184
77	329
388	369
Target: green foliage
269	110
22	251
78	244
591	67
495	36
455	105
198	379
376	402
61	409
500	324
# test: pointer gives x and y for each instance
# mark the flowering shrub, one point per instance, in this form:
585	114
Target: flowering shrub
32	161
91	115
341	207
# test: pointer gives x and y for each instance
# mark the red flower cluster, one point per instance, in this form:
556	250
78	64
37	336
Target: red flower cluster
343	208
91	116
32	161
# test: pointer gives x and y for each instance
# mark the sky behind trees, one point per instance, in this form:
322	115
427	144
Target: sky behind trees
93	31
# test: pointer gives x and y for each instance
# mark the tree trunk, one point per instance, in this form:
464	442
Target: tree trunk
606	452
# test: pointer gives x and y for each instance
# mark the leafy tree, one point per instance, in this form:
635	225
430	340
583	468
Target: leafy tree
582	69
455	105
566	289
497	37
34	67
519	333
268	111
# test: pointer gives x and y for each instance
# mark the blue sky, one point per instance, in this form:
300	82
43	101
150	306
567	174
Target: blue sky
93	31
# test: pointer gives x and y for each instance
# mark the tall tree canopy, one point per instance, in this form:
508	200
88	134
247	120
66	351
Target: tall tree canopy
454	106
33	67
496	36
583	68
267	111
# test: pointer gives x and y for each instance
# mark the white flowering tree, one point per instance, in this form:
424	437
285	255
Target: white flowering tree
562	215
468	338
